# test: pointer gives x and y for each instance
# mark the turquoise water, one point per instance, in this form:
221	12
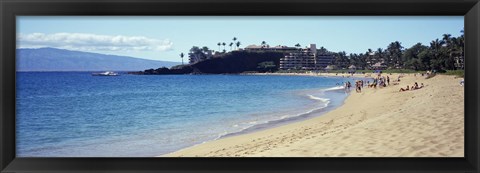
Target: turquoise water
74	114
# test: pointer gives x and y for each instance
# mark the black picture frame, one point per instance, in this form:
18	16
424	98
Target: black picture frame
9	9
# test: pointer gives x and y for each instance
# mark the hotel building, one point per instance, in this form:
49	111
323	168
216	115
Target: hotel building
306	59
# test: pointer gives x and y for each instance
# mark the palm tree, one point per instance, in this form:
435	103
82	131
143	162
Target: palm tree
435	47
205	51
323	50
219	46
298	45
341	59
231	44
380	55
446	39
263	44
436	44
234	39
395	54
369	58
181	56
449	62
380	52
459	53
224	46
238	44
196	55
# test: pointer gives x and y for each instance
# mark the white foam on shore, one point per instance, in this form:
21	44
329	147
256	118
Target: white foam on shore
318	98
246	126
334	88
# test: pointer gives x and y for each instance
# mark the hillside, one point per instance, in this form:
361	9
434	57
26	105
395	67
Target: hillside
233	62
51	59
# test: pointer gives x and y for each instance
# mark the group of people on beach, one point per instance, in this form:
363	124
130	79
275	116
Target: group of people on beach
358	86
380	81
347	85
383	81
414	87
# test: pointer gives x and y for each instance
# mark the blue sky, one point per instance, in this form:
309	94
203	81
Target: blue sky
164	38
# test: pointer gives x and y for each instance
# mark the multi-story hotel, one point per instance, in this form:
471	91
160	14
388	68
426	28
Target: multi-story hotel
298	58
306	59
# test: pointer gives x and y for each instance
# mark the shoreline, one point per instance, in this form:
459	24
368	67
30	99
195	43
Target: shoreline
302	116
289	120
299	117
311	115
364	121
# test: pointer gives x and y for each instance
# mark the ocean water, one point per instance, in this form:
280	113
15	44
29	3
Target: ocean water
74	114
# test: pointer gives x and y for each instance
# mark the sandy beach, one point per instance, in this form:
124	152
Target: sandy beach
381	122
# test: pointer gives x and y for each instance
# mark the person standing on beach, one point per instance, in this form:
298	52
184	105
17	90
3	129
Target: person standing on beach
388	80
358	86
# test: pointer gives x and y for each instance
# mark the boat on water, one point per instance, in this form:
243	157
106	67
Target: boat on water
107	73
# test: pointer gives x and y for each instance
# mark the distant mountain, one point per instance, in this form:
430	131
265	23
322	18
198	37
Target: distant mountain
51	59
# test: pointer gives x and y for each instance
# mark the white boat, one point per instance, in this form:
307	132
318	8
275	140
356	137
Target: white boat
107	73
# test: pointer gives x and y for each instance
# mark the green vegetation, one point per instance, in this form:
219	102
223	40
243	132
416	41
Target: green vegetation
199	54
232	62
181	56
267	66
442	54
458	73
240	61
178	67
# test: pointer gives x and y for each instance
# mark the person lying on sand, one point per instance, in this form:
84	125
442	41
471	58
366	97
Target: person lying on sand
402	89
414	86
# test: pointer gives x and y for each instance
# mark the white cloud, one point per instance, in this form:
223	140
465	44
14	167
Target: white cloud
92	42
